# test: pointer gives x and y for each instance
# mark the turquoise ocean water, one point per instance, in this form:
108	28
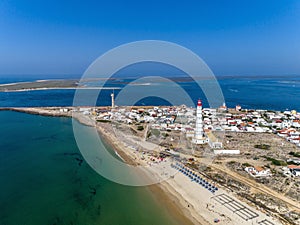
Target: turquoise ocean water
45	181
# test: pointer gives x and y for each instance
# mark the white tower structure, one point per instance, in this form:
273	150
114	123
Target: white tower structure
112	95
199	137
199	121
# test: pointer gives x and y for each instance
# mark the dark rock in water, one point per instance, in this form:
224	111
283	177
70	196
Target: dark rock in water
76	156
99	210
72	154
93	190
80	161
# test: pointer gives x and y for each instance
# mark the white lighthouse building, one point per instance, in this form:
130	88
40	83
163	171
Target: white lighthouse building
112	95
199	137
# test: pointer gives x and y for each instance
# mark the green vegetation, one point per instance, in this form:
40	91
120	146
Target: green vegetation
276	162
295	154
263	146
165	135
104	121
140	128
246	165
155	132
148	134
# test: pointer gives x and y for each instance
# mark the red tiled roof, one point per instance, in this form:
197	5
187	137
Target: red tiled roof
293	167
258	168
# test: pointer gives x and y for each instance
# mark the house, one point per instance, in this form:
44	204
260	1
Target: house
258	171
295	161
227	152
295	170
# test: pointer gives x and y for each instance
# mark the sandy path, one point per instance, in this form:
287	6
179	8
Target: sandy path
257	187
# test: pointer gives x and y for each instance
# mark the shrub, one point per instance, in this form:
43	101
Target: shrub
295	154
263	146
155	132
140	128
246	165
276	162
104	121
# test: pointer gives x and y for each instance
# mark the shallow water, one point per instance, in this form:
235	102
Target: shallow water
44	180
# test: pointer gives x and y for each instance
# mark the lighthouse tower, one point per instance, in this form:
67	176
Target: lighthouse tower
199	122
112	95
199	137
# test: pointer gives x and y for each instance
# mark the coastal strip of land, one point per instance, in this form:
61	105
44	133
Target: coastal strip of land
188	201
49	85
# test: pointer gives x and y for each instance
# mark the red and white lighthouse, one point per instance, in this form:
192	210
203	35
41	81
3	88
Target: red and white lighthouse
199	137
199	121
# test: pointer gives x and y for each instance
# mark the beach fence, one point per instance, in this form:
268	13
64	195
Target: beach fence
236	207
265	222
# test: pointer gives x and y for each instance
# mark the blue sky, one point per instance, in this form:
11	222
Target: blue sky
238	37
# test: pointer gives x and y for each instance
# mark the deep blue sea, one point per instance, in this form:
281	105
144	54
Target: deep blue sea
255	92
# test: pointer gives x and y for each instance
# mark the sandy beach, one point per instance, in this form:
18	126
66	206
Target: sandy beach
187	200
194	202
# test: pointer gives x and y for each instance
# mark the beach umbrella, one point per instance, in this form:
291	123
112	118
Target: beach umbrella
216	220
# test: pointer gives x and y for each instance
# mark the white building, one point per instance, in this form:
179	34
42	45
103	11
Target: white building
295	170
227	152
257	171
199	137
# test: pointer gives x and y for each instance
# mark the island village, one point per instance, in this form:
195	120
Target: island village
255	154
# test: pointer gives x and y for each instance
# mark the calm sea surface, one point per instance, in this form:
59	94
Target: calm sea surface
44	182
260	92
